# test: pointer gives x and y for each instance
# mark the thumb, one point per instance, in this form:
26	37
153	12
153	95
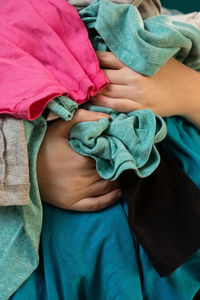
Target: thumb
63	128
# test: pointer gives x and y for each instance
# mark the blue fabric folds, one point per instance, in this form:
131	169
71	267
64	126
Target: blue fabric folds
87	256
183	142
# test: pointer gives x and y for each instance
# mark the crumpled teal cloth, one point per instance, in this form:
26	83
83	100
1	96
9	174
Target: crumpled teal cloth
64	107
142	45
125	141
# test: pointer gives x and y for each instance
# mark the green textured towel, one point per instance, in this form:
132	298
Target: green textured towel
126	141
142	45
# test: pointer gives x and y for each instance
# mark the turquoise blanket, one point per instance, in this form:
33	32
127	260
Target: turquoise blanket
92	256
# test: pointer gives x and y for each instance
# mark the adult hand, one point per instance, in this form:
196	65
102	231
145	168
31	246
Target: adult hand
173	90
67	179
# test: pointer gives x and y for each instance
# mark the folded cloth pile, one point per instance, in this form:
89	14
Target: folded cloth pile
121	29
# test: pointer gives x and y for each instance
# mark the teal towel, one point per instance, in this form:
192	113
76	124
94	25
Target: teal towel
142	45
126	141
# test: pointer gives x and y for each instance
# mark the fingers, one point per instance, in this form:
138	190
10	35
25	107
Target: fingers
116	76
97	203
97	195
82	115
117	104
109	60
116	91
100	187
94	188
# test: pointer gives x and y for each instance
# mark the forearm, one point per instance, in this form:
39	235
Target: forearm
194	116
191	103
193	113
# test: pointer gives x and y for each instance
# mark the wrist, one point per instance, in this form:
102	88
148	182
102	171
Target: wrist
191	105
194	118
192	110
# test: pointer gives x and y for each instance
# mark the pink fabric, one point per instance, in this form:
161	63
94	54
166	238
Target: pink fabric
44	52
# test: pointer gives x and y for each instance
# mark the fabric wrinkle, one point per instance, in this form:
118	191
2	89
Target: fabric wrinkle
56	71
35	130
14	174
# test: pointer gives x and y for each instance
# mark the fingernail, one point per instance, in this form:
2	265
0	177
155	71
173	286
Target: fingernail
104	116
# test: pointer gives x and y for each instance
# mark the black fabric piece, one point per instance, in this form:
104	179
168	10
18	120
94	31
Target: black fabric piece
164	214
197	296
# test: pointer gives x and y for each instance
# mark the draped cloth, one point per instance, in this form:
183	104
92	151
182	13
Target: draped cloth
147	8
